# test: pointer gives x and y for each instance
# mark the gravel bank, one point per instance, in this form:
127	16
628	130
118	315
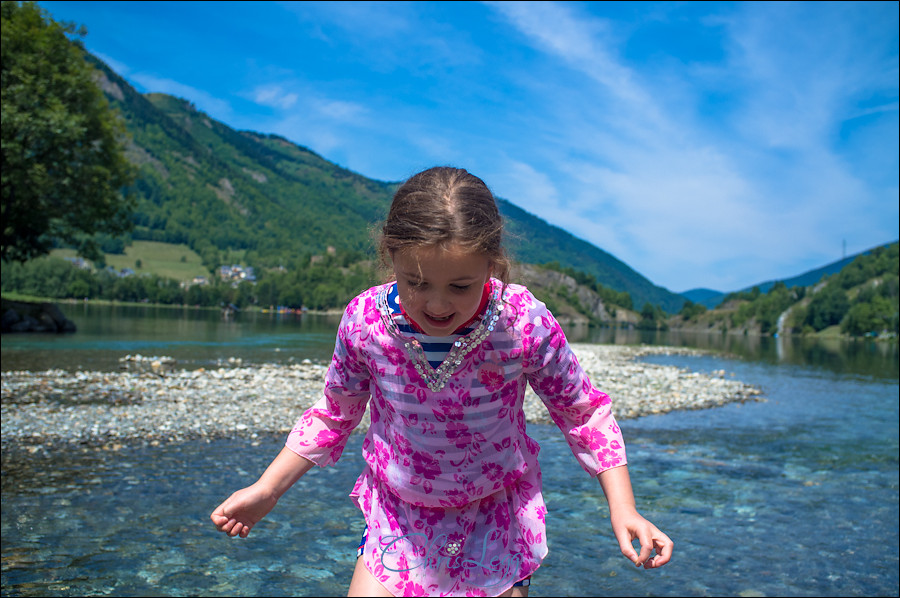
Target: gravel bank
151	401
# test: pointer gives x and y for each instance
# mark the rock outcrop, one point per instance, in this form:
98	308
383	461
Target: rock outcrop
20	316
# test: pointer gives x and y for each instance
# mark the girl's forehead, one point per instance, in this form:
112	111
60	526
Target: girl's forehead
438	251
438	259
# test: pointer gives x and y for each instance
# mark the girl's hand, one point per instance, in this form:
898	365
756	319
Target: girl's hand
628	526
243	509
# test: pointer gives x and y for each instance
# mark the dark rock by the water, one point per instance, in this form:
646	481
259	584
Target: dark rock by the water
21	316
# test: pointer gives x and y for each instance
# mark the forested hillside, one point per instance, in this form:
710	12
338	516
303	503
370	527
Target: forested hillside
863	298
268	203
301	228
710	298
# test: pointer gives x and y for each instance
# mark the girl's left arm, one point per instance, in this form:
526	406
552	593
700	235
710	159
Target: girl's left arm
629	525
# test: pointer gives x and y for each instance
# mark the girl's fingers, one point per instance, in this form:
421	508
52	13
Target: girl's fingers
664	548
228	526
646	550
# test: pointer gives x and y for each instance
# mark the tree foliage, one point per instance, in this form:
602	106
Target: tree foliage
324	284
652	318
63	164
691	310
610	296
223	192
862	298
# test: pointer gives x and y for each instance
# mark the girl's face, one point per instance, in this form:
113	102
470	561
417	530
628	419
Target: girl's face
440	288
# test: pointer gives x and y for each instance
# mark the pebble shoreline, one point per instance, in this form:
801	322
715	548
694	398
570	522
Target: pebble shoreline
152	402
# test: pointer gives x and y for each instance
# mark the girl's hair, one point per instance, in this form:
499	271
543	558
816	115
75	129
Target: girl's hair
443	206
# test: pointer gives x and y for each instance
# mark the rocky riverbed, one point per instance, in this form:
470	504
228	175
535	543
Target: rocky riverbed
152	401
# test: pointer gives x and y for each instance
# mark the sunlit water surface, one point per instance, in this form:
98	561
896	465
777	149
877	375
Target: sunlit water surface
795	496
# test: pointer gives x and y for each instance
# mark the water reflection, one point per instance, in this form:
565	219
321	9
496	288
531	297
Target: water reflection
202	338
866	357
805	480
194	337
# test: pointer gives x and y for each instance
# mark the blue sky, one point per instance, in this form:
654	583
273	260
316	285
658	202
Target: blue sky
707	144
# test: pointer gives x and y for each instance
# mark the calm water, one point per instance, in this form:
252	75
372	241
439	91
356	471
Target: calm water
195	337
796	496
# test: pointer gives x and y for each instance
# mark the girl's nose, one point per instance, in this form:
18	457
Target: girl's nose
437	304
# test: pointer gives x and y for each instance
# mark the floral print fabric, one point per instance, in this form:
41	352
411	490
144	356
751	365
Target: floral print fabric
452	488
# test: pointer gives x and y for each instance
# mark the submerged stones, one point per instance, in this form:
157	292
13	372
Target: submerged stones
151	401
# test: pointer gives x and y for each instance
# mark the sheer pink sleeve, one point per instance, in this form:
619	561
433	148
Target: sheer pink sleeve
583	413
322	431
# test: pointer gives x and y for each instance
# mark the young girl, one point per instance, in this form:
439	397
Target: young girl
451	492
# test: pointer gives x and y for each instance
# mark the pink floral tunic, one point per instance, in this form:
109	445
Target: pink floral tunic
452	488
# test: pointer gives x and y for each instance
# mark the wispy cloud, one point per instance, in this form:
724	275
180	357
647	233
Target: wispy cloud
339	110
662	184
212	105
274	96
119	67
704	144
583	42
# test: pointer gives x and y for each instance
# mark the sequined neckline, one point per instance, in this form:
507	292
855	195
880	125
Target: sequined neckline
436	378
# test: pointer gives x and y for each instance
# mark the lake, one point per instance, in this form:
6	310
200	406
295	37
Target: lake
794	496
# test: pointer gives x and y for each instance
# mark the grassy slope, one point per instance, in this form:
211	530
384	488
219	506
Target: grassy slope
165	259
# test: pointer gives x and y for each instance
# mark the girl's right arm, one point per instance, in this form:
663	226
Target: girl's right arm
628	525
243	509
320	434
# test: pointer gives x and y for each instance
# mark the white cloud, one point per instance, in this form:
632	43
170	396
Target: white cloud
683	194
339	110
274	96
119	67
290	98
584	43
214	106
523	185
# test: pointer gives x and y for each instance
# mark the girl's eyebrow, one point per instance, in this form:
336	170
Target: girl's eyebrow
417	276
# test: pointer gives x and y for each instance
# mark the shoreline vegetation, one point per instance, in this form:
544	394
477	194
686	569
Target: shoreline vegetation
675	324
858	301
18	297
151	401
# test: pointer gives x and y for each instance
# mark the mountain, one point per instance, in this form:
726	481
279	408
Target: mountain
264	200
535	241
861	299
711	298
707	297
813	276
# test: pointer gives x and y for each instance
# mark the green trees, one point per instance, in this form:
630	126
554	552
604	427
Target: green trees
872	316
63	166
320	285
652	318
610	296
691	310
862	298
827	307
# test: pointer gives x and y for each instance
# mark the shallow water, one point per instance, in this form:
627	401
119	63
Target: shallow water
796	496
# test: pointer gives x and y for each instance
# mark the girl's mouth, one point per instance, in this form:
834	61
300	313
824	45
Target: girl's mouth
438	321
